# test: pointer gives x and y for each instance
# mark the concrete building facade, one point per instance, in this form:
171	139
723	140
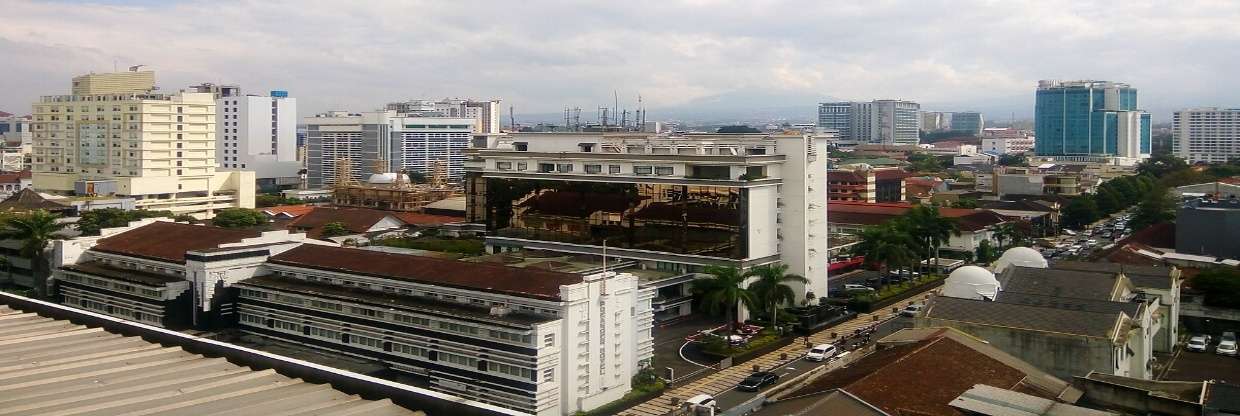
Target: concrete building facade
384	141
888	122
257	133
1208	228
485	113
121	137
1206	134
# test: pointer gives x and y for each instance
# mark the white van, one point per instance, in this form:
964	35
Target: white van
700	401
821	352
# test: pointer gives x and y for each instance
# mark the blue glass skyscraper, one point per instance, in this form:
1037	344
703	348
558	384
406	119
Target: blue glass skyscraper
1090	118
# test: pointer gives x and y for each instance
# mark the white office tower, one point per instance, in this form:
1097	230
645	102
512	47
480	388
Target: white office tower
674	204
388	138
484	113
889	122
1206	134
258	133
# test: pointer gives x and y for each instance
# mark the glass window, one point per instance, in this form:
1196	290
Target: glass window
642	170
564	167
663	170
546	167
503	165
521	166
613	169
594	168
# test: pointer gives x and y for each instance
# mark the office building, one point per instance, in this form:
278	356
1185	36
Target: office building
888	122
484	113
935	120
381	142
1007	146
1206	134
969	122
866	185
117	135
256	133
1090	120
670	204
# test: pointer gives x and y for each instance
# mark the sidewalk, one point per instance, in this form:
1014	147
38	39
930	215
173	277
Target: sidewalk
726	379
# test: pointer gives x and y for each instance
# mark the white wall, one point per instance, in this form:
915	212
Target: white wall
251	119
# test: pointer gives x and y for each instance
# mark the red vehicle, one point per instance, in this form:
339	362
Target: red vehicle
840	265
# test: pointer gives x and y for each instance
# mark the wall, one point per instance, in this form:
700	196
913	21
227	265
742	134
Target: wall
1135	396
1062	355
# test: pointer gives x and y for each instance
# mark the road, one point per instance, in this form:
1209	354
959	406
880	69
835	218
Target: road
856	277
733	397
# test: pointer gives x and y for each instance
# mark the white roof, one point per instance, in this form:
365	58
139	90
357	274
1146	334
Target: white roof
1020	256
971	282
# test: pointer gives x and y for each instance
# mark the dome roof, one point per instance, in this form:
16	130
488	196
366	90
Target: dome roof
971	282
385	178
1020	256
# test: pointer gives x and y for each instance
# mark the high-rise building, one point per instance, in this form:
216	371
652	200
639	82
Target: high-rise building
15	142
1206	134
935	120
258	133
484	113
968	122
1090	119
384	141
117	135
876	122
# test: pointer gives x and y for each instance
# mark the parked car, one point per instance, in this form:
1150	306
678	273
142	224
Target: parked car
757	381
911	310
1198	343
821	352
700	401
852	288
1226	347
1228	336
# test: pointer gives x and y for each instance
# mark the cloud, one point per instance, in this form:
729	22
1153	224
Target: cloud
540	56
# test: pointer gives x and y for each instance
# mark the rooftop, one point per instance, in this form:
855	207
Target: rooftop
356	220
168	241
1060	283
864	213
1031	317
539	284
53	366
290	211
28	200
128	275
373	297
1141	276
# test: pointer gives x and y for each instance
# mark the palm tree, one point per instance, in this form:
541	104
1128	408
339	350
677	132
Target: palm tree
932	229
885	245
771	289
35	229
723	292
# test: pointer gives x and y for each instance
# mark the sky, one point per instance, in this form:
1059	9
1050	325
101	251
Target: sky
681	57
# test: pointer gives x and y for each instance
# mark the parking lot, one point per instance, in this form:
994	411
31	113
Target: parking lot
1200	366
1085	242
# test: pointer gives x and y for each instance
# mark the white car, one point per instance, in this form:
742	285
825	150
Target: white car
911	311
821	352
705	401
850	287
1226	348
1198	343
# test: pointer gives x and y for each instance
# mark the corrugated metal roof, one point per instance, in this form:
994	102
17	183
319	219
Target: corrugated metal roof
51	366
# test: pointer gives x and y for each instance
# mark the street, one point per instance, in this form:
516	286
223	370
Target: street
835	285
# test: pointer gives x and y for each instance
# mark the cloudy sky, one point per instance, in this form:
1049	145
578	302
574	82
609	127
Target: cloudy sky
540	56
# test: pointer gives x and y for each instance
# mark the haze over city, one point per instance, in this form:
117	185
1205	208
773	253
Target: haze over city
686	59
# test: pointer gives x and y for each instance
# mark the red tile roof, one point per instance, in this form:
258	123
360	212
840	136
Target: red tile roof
530	283
845	176
417	218
865	213
168	241
4	114
290	211
921	378
356	220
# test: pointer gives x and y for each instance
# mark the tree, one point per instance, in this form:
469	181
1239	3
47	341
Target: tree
968	203
184	218
34	229
1123	190
268	200
737	129
334	229
91	222
1158	206
238	217
921	162
1107	202
884	245
986	252
1081	211
722	292
771	289
1221	286
1012	160
930	228
1160	165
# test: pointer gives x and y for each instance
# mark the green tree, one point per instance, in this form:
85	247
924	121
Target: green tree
238	217
1107	202
1160	165
1012	160
1081	211
930	228
737	129
91	222
1123	190
269	200
1157	206
722	292
986	252
772	289
1186	176
334	229
1221	286
967	203
184	218
885	246
34	229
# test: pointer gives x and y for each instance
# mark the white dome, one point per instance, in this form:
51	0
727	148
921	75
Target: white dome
383	178
1020	256
971	282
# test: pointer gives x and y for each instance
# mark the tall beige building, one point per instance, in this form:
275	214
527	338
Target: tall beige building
116	135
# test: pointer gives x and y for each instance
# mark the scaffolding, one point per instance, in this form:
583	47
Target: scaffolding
398	194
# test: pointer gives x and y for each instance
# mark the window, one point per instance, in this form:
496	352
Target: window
509	369
613	169
522	166
459	359
324	333
594	168
367	341
287	326
564	167
455	327
503	165
642	170
548	375
549	340
663	170
409	319
546	167
409	350
366	312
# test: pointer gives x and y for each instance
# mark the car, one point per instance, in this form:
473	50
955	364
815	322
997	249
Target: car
821	352
851	288
1228	336
911	310
757	381
1226	347
1198	343
700	401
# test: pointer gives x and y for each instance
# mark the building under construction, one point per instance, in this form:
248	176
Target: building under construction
390	191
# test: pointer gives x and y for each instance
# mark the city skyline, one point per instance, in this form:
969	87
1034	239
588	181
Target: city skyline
681	58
